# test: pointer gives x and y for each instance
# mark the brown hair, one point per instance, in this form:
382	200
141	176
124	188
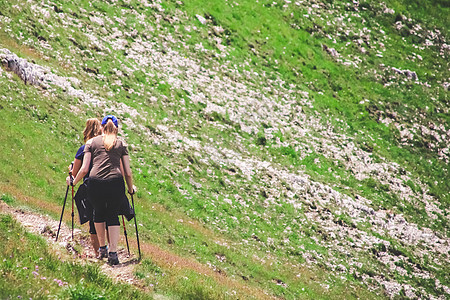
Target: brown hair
109	135
92	129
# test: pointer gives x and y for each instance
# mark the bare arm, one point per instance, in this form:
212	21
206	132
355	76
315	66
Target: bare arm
125	161
76	166
121	167
84	168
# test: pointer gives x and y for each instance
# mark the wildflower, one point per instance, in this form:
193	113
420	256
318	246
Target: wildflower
35	273
60	282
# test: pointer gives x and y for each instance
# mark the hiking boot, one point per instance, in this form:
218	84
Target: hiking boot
102	252
113	259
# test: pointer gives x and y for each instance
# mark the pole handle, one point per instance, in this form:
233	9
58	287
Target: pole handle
70	174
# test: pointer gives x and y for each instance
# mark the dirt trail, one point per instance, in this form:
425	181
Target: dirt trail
124	272
48	228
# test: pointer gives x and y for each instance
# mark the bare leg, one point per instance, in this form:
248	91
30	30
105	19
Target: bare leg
113	232
95	243
101	228
107	235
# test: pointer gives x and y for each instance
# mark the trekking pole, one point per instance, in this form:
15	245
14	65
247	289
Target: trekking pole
135	224
72	209
126	236
65	198
62	213
71	183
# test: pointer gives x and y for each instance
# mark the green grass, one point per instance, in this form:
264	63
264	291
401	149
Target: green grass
8	199
32	126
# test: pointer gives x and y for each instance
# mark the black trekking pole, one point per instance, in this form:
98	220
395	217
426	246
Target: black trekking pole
62	213
126	236
71	179
135	224
71	183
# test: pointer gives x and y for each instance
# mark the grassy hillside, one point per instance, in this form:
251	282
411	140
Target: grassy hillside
294	149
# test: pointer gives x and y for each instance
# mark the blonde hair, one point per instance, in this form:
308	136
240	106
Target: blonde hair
92	129
109	135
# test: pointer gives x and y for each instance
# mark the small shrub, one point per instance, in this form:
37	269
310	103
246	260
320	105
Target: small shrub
261	140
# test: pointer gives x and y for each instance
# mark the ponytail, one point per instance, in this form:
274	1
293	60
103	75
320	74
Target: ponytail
109	135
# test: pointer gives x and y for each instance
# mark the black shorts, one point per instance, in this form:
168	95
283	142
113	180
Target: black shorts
106	196
84	207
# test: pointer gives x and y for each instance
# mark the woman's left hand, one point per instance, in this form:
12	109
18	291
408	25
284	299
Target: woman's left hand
69	180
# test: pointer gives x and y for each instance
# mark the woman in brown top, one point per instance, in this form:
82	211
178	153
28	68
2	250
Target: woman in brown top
106	189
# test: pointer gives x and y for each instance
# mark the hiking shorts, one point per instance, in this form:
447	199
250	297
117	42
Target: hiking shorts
106	196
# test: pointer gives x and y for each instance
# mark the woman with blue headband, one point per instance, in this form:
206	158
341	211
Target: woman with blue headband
106	189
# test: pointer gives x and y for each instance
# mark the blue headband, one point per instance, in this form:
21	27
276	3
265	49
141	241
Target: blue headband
113	119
